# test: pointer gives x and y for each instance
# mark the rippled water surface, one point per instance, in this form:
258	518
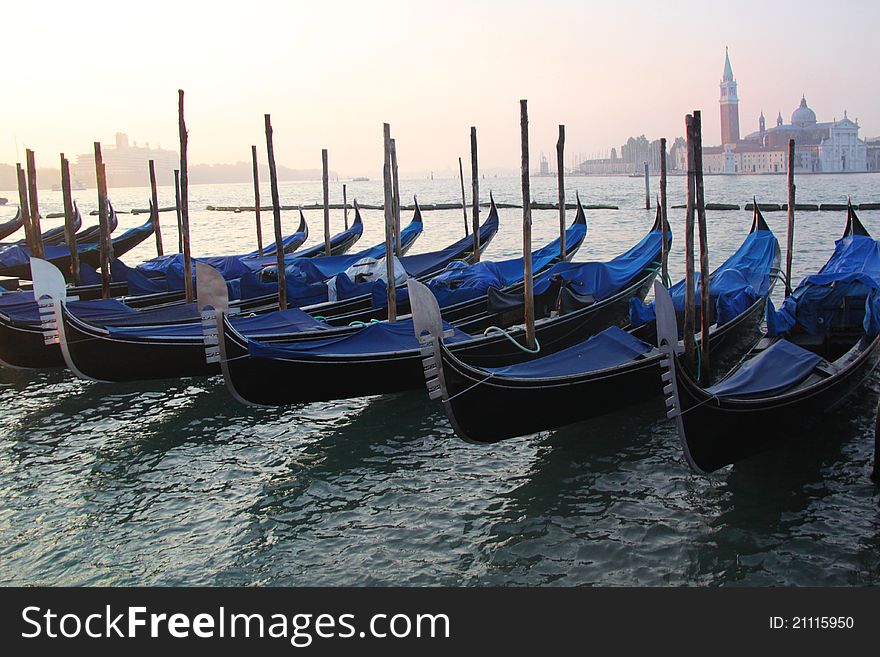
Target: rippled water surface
173	482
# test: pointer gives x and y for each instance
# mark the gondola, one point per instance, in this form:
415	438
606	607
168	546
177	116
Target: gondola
112	341
607	371
51	237
384	357
15	261
7	228
818	349
341	242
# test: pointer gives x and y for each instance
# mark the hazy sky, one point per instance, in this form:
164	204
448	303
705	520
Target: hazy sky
331	72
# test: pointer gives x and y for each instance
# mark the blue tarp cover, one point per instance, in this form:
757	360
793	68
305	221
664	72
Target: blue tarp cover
772	371
382	337
611	347
737	284
285	321
816	305
604	279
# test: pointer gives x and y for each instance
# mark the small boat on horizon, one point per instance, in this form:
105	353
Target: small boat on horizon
76	185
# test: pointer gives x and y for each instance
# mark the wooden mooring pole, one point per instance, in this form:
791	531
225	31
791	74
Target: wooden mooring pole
389	226
177	206
154	195
560	184
24	206
690	345
706	310
103	221
345	205
395	201
664	221
38	249
325	183
463	202
276	218
259	224
528	287
69	232
647	188
475	195
184	201
789	250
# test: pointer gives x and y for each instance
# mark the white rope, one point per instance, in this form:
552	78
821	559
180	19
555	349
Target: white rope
469	388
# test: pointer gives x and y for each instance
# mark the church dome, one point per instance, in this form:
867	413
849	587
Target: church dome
803	115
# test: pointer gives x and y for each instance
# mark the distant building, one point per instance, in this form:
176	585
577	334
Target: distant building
829	147
127	166
545	165
873	153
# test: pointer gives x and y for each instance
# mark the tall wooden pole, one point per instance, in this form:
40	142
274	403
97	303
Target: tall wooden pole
475	194
24	206
36	231
103	221
789	251
69	232
647	188
345	205
705	283
184	201
395	201
389	226
257	198
463	202
690	345
325	180
664	222
154	195
528	287
177	208
276	218
560	177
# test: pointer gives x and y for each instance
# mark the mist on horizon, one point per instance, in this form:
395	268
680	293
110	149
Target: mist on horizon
331	75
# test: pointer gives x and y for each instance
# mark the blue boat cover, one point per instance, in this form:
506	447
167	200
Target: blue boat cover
353	231
771	372
745	277
845	293
285	321
611	347
603	279
378	338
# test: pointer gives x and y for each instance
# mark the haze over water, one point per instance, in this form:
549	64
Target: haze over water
173	482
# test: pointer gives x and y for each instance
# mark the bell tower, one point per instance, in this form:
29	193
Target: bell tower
729	104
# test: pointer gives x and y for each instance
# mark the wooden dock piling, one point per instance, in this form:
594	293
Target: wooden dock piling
389	227
560	184
24	207
103	221
705	283
345	205
259	224
184	201
37	249
276	217
154	195
647	188
690	344
69	232
789	250
463	202
325	184
177	208
395	200
475	195
528	286
664	220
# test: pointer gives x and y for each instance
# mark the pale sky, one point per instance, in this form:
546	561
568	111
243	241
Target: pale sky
331	72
